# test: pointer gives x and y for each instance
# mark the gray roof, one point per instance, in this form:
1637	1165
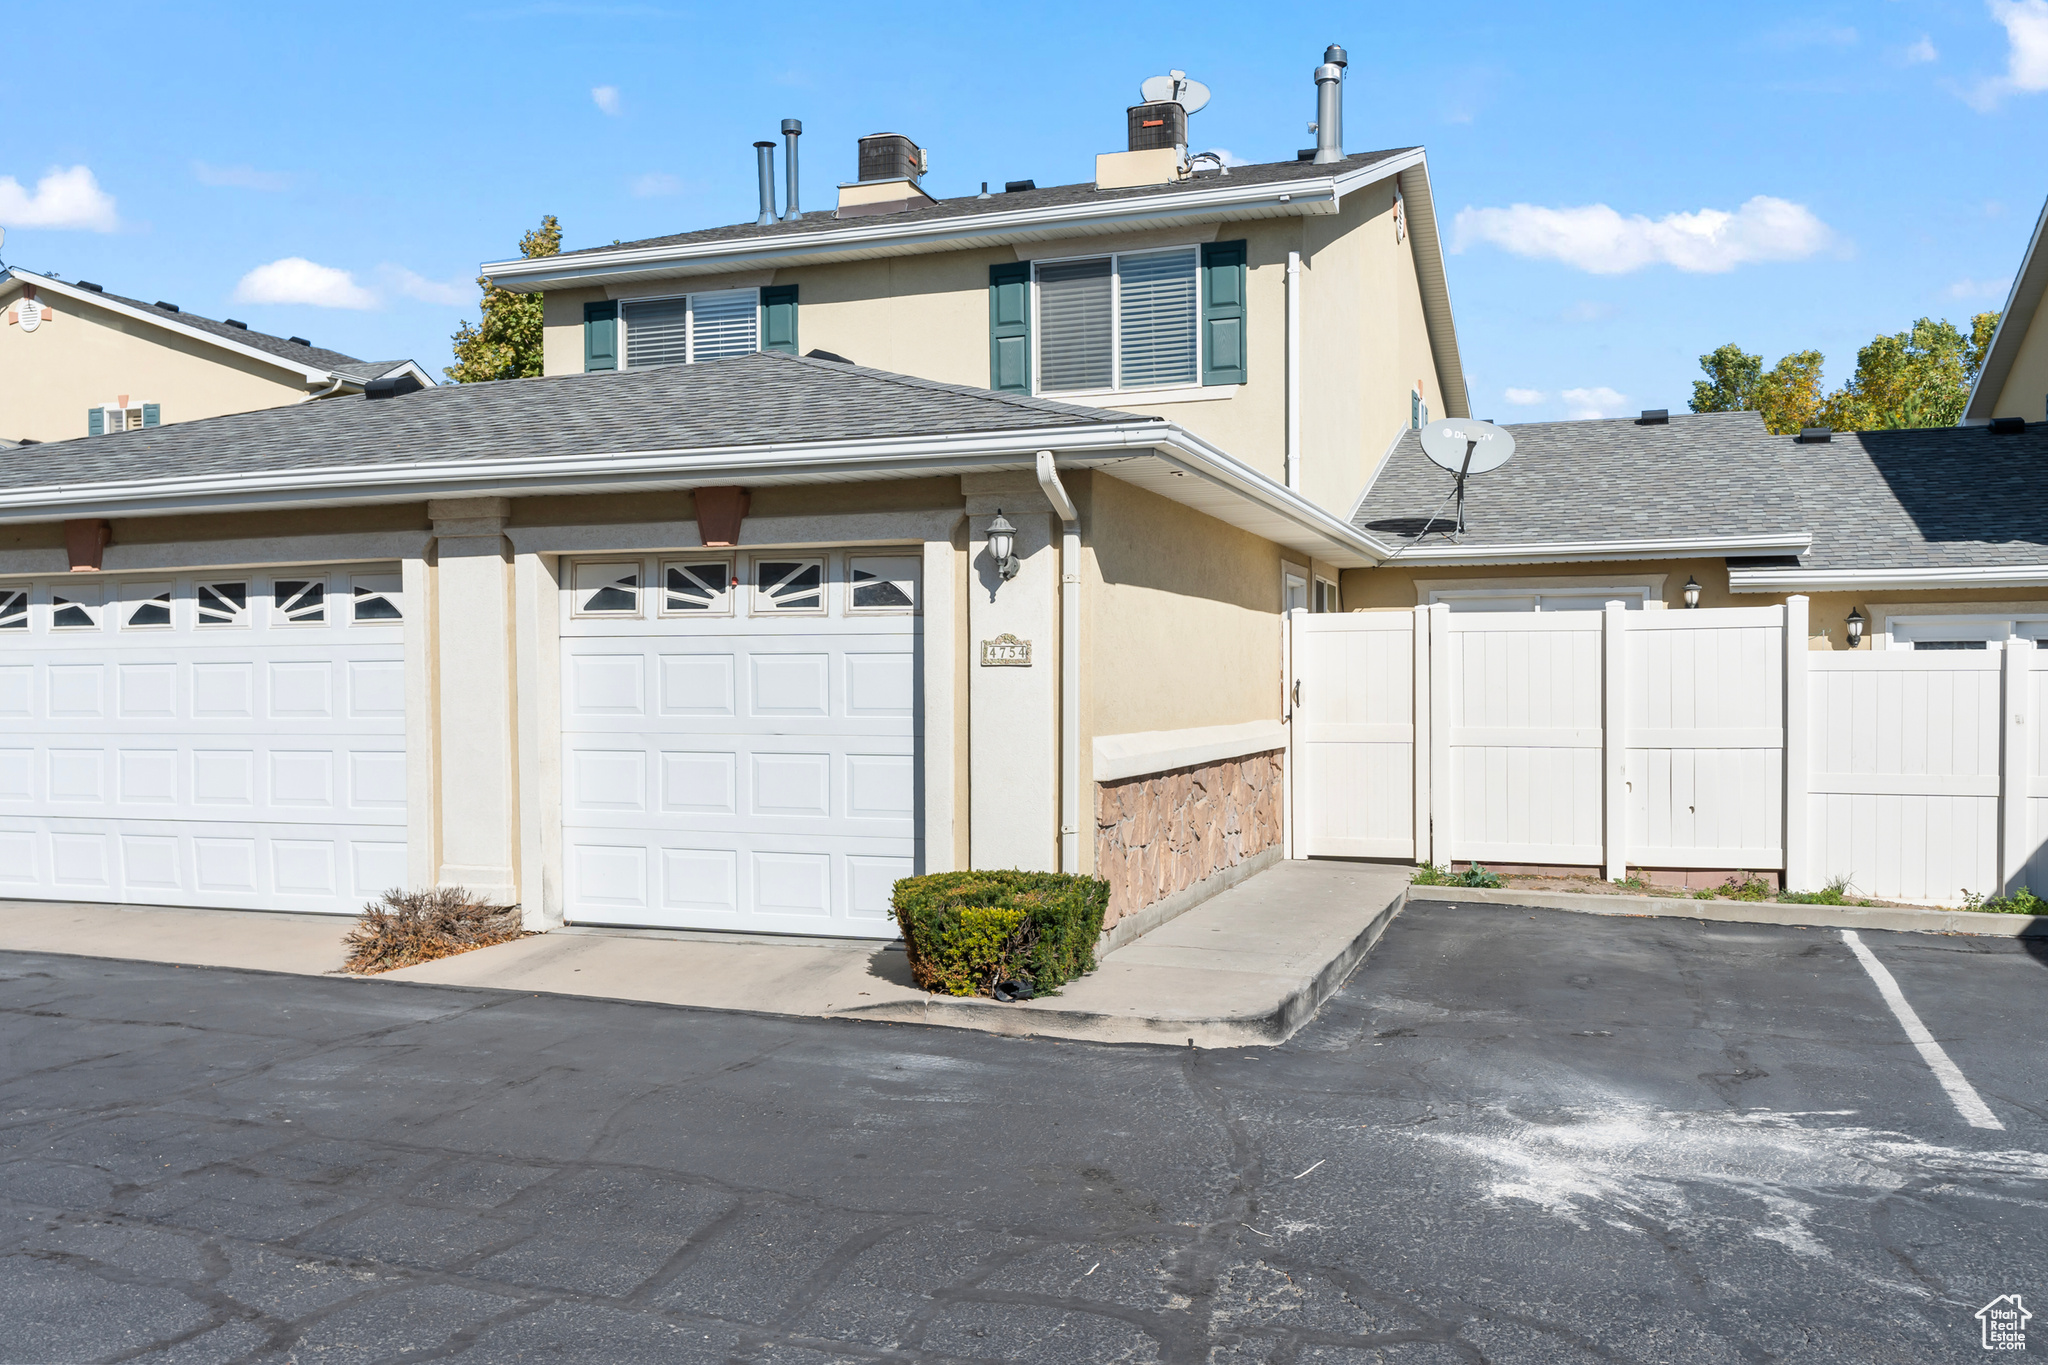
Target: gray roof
1940	497
971	205
763	399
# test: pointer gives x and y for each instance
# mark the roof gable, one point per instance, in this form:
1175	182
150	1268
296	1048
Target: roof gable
2022	302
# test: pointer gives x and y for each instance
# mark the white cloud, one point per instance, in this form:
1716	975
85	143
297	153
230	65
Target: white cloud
411	285
62	199
1597	402
2026	28
1967	288
655	185
298	280
240	177
1524	397
1922	51
1229	158
607	98
1596	239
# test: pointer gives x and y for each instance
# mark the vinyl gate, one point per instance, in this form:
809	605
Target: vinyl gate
1669	739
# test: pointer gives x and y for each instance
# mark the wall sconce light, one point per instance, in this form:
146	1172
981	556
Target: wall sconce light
1002	545
1692	591
1855	627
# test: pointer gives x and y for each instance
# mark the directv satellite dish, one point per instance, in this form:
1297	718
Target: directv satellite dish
1465	447
1175	85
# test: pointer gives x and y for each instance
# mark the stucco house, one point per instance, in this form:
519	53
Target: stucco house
2013	381
76	360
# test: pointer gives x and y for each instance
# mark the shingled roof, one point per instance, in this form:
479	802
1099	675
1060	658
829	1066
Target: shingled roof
767	398
1938	497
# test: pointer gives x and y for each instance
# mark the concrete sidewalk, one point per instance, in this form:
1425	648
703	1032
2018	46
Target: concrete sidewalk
1248	966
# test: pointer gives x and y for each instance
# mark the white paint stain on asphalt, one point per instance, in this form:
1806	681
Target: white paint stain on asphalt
1961	1093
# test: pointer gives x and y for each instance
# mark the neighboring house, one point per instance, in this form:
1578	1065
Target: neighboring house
76	360
1933	538
2014	379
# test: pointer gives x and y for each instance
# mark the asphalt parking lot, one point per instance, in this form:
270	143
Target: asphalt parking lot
1517	1135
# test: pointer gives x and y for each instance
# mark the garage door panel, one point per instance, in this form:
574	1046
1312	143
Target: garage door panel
608	780
148	691
607	685
17	775
223	691
148	777
701	881
698	782
697	684
881	684
17	690
881	787
786	685
78	691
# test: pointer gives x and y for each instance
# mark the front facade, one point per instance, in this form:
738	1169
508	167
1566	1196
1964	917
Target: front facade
79	361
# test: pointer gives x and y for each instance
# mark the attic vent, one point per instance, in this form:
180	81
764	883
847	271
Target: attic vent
231	322
1305	154
167	307
1813	435
2008	426
1018	186
1654	417
391	386
88	284
298	341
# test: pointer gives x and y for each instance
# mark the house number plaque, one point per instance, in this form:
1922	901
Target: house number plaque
1006	651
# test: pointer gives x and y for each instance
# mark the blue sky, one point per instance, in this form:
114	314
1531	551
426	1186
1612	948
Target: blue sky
1878	161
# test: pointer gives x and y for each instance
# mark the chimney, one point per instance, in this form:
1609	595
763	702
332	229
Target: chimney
890	168
764	153
1330	106
792	129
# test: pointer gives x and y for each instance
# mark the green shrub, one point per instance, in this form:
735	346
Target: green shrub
1745	886
1429	874
966	931
2020	902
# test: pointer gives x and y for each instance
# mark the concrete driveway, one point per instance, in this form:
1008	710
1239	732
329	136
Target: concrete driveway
1516	1136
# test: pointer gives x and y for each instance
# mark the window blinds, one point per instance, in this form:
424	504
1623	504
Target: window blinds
1122	322
657	332
1156	342
700	327
1073	311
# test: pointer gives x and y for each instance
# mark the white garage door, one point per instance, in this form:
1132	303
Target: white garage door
232	740
740	740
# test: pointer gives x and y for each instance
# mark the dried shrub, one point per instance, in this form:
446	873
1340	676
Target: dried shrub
409	927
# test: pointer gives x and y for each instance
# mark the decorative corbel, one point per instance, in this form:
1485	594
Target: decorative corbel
720	512
86	543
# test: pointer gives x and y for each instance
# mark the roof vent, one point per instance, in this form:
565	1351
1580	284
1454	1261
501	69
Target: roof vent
1811	435
392	385
235	322
167	307
88	284
2008	426
1305	154
1654	417
827	355
1019	186
298	341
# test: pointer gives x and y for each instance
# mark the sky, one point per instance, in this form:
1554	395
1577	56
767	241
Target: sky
1622	186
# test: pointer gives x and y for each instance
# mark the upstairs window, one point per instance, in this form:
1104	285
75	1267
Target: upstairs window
1122	322
695	327
121	416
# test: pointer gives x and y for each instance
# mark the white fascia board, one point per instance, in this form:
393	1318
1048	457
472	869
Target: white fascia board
2018	314
1916	580
1313	196
1433	283
63	290
1606	551
1328	537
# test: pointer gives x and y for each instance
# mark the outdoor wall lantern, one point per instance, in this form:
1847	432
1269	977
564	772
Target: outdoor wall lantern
1855	627
1692	591
1002	545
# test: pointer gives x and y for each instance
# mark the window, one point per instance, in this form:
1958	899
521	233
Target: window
696	588
299	601
789	585
607	589
149	606
1118	322
374	598
121	415
1326	595
75	609
223	604
881	584
13	611
1962	632
1418	411
695	327
1634	598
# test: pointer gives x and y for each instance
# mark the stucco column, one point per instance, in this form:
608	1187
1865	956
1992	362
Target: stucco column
1013	712
474	698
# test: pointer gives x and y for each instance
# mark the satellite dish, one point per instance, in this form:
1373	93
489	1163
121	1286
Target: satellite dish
1449	441
1175	85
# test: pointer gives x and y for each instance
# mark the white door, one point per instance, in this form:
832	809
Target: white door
234	739
740	740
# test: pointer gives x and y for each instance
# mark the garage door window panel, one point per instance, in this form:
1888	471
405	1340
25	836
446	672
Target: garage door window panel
75	609
222	604
147	606
607	589
299	601
696	588
882	585
789	586
374	599
13	610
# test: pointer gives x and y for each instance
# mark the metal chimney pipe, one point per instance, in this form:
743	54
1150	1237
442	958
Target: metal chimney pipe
765	153
792	129
1330	106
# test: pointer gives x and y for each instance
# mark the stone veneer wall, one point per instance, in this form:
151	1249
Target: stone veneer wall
1164	832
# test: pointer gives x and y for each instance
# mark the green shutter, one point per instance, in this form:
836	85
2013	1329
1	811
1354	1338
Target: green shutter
1009	327
95	421
600	336
1223	320
778	318
152	414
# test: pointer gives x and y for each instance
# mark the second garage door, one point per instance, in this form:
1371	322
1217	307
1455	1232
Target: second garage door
740	740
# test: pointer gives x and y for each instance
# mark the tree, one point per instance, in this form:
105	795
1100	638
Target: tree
1731	383
1790	395
507	343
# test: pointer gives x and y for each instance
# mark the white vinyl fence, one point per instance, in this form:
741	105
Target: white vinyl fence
1708	739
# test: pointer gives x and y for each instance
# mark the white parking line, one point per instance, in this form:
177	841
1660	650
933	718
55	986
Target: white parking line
1967	1101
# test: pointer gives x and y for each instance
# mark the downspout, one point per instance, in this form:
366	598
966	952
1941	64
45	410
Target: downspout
1294	370
1070	661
